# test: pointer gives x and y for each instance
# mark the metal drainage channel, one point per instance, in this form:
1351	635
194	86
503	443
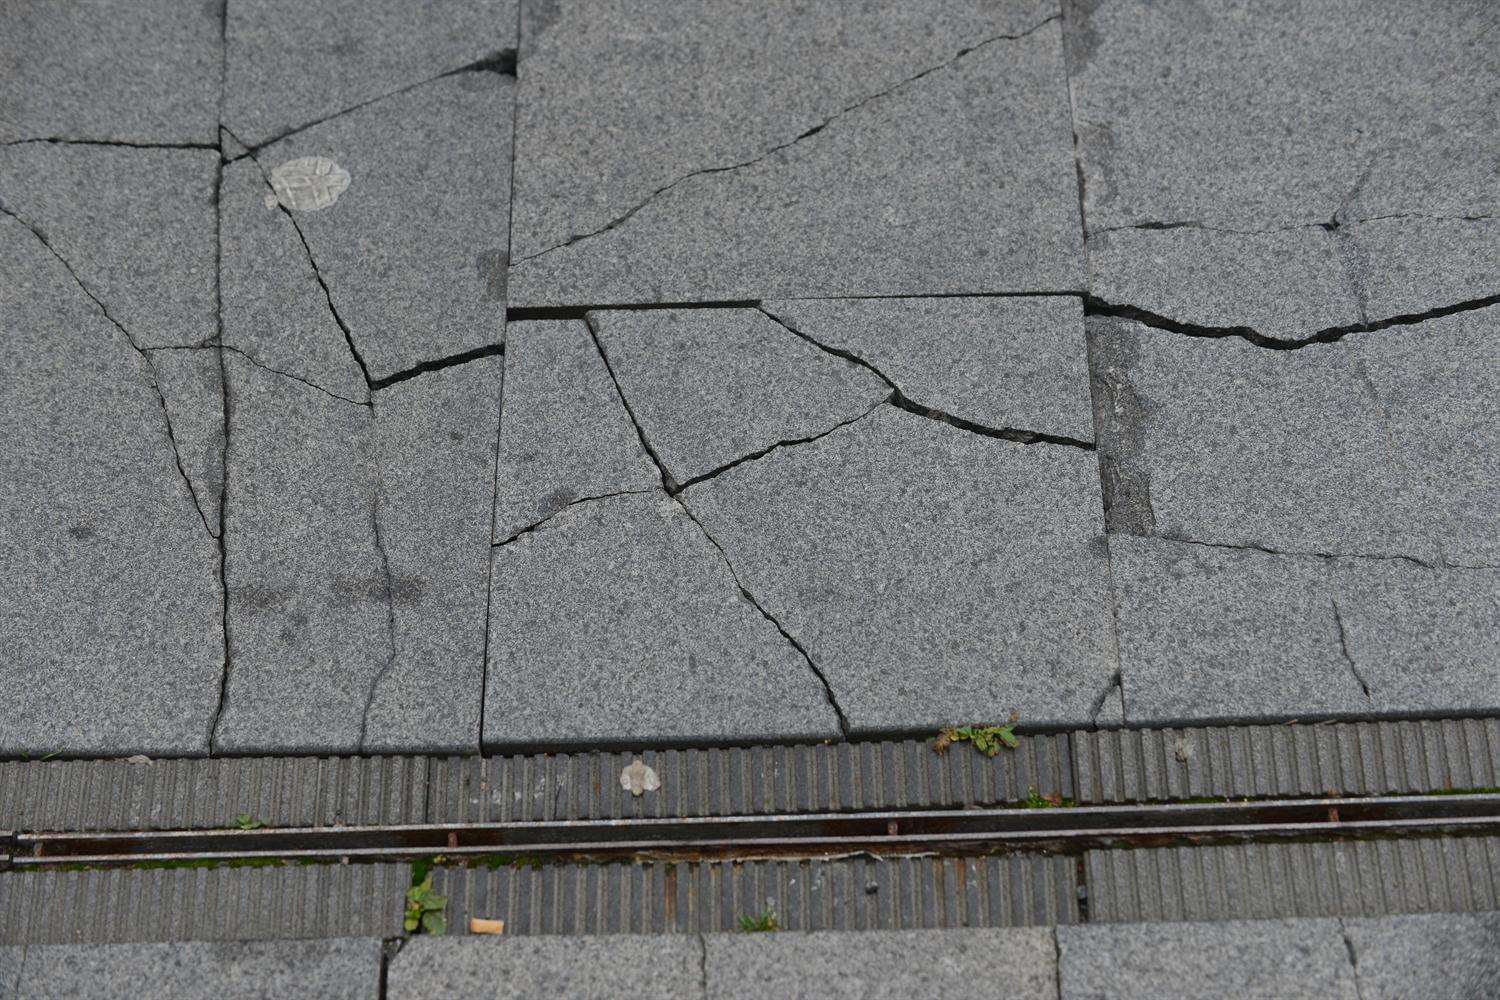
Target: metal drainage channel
1063	829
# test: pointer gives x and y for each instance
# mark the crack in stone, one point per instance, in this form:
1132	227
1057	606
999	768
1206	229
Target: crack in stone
131	341
1094	306
1338	620
626	216
1116	682
1335	224
1359	992
1367	556
390	595
224	407
317	274
763	452
538	525
118	143
901	401
812	665
262	366
702	965
671	489
438	364
502	62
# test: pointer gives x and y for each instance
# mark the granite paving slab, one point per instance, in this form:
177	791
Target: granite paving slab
935	576
618	621
1379	445
881	964
1227	633
335	968
1245	958
1002	363
111	603
1408	957
94	71
585	968
356	554
711	387
291	63
412	252
725	151
1233	161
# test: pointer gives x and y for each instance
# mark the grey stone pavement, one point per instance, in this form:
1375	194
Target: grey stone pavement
388	376
1451	956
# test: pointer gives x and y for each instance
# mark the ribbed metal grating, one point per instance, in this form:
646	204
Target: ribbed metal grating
744	781
1245	881
1358	758
202	904
211	793
838	894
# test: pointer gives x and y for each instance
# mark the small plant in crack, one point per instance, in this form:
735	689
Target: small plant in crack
986	739
244	821
765	922
1052	800
424	909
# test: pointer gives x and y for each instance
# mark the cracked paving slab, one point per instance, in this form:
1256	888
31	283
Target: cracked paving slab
710	387
275	311
621	623
1381	444
357	546
1287	167
1240	634
96	71
290	63
851	150
131	225
563	435
111	609
934	575
413	252
998	362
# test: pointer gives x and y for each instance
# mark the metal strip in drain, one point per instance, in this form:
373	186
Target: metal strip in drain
1063	829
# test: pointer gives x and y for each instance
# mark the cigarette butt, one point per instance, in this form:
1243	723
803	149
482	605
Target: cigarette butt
478	925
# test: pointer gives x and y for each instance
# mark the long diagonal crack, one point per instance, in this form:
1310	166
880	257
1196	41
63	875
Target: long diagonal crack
630	213
390	597
1309	554
536	526
161	398
502	62
787	443
223	538
901	401
671	489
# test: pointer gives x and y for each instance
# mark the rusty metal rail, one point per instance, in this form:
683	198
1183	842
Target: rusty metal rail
1065	829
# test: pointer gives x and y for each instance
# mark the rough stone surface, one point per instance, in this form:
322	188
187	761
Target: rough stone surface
618	621
1001	362
564	435
435	442
1407	957
110	609
581	968
290	64
882	964
309	611
710	387
90	70
1405	265
413	252
336	968
851	151
1263	958
275	312
10	971
1276	120
1380	444
934	575
136	225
